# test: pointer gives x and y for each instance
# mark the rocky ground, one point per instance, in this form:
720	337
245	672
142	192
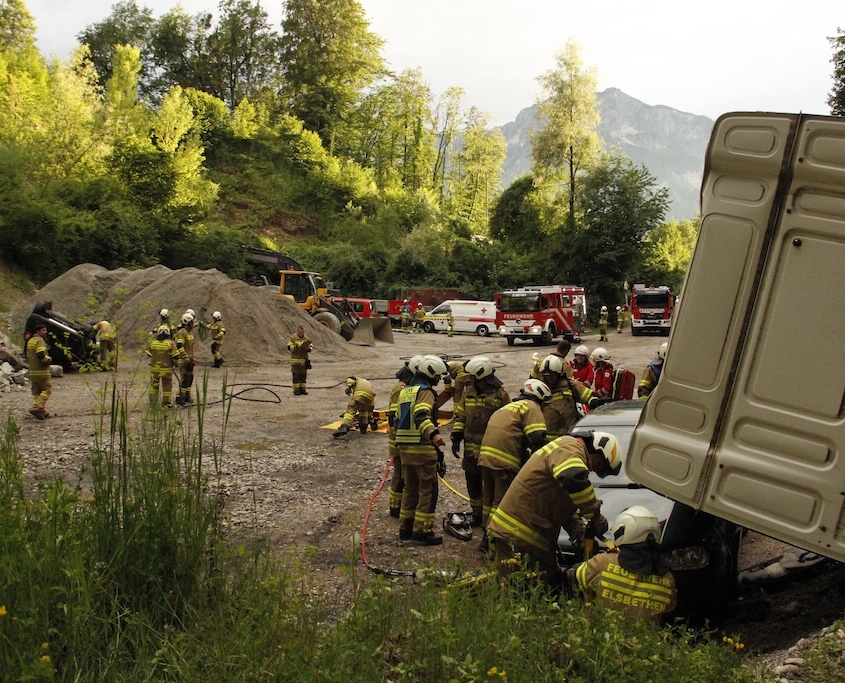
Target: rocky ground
306	494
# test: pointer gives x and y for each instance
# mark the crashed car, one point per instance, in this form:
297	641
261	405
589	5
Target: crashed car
702	550
70	344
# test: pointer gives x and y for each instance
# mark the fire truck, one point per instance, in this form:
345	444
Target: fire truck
541	313
652	309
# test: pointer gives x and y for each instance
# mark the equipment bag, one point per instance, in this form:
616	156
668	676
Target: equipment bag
624	382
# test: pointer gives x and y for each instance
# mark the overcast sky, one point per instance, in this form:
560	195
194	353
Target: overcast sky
704	58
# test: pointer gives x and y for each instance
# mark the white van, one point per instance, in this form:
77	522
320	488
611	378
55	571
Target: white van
747	421
478	317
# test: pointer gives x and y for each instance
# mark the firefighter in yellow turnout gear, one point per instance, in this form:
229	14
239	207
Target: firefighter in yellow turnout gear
397	483
107	339
39	371
483	397
217	332
634	580
360	408
299	346
185	344
163	356
418	439
547	493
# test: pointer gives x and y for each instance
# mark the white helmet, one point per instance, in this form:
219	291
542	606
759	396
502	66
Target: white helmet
551	364
187	318
405	301
604	308
479	367
432	366
537	389
164	313
582	351
216	315
605	444
618	308
661	352
635	525
191	311
414	363
163	330
601	353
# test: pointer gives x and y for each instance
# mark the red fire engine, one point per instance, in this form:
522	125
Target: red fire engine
652	308
541	313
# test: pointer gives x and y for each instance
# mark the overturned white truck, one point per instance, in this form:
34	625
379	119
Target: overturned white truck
748	419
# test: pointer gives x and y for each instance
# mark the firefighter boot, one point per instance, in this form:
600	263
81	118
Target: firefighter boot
427	538
406	531
363	425
341	431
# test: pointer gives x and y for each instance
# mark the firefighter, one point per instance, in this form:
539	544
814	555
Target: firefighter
561	352
163	319
512	432
455	381
603	378
633	578
620	319
450	323
561	412
652	373
419	317
405	314
483	397
603	324
217	332
397	483
185	344
106	336
38	359
299	346
550	490
164	354
419	441
582	368
360	408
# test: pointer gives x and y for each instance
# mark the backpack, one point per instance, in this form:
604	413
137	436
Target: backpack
624	382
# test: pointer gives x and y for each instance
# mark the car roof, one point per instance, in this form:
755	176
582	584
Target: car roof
622	413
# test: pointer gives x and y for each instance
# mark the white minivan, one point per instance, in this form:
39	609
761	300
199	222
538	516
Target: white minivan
478	317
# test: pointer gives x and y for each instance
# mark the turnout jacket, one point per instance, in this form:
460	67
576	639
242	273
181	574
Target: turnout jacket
545	495
415	425
163	355
392	412
474	412
605	582
299	348
511	430
363	393
185	343
651	377
535	371
561	412
37	358
455	383
217	331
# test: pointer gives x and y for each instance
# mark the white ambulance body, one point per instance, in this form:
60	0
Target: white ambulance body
748	419
477	317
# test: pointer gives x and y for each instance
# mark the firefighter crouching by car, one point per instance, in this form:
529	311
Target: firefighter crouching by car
547	494
360	407
512	432
163	356
633	578
652	373
397	483
419	442
185	343
483	397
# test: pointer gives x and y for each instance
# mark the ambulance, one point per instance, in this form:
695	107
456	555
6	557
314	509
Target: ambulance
476	317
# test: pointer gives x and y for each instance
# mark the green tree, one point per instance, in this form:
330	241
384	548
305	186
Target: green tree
836	99
475	173
667	252
17	27
621	204
329	56
566	142
180	52
127	24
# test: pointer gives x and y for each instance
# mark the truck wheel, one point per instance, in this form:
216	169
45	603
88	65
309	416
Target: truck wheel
511	339
549	335
482	330
635	331
428	326
329	320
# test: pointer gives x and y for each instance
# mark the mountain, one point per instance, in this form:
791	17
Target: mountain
671	144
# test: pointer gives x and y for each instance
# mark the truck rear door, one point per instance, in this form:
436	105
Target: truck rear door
747	420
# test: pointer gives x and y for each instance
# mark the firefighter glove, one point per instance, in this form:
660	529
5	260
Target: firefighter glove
457	437
441	464
599	524
597	401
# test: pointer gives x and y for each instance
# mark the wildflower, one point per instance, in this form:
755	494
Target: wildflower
45	647
45	659
3	611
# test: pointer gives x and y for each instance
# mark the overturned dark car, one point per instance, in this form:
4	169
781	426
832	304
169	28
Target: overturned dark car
702	550
70	343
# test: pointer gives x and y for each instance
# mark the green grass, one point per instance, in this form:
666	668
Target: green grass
136	579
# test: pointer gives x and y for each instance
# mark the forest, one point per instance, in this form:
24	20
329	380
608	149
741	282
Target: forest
178	139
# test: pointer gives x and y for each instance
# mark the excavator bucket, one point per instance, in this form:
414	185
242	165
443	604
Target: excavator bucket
371	329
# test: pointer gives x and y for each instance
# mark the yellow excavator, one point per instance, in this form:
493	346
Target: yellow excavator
316	296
